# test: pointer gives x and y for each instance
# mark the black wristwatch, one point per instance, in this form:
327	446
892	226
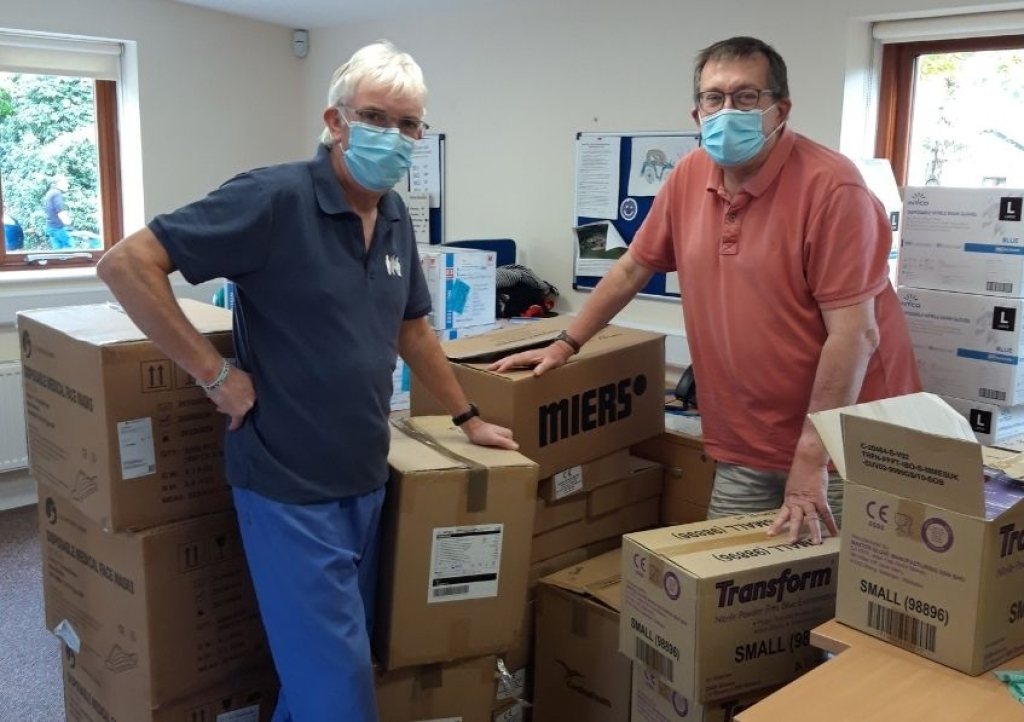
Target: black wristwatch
466	415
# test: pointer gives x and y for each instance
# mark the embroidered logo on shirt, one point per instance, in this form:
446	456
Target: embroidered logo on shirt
393	265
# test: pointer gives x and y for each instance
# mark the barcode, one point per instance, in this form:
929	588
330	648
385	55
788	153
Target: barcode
654	659
999	287
992	394
451	591
901	626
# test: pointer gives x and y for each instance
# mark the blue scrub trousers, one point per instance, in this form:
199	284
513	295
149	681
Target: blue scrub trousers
314	567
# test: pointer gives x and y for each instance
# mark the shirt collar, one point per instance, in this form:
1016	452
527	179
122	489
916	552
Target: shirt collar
329	193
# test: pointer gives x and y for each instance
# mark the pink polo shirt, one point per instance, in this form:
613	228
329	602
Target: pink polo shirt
755	270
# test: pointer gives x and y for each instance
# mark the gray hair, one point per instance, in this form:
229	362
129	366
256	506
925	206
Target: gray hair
744	47
381	63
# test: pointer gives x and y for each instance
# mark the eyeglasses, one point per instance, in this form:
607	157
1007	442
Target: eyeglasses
711	101
413	127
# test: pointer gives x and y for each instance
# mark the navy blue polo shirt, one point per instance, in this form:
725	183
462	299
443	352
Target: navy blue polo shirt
316	322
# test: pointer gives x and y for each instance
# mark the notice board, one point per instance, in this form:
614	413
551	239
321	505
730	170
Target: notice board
617	177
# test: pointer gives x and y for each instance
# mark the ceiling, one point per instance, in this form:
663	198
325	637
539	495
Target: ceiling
306	13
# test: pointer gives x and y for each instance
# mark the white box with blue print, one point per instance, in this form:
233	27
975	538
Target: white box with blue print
462	284
963	239
967	345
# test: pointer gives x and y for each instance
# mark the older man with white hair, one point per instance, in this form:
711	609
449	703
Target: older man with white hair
329	290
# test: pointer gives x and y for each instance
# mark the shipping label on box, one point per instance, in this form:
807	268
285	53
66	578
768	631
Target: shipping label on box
966	345
462	285
456	541
154	615
114	424
607	397
584	478
719	609
963	239
932	552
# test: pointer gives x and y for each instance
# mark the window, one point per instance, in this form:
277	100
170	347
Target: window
59	158
950	108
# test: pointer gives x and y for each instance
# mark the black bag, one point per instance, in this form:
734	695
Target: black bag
522	293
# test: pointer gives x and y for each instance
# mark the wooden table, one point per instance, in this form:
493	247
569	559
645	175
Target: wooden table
871	680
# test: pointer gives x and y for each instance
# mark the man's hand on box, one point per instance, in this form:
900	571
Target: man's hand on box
806	500
539	359
482	433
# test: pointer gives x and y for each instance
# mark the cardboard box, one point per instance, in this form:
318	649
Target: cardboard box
967	346
654	701
579	675
991	424
584	478
248	697
689	475
455	557
461	690
151	616
644	480
551	516
515	666
963	239
607	397
719	610
642	515
114	424
462	285
933	556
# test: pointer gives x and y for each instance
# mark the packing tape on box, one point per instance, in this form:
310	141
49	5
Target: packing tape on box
476	491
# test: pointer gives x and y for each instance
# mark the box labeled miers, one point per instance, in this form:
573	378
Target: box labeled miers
607	397
932	554
718	609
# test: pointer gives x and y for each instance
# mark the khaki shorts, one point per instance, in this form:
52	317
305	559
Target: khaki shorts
743	490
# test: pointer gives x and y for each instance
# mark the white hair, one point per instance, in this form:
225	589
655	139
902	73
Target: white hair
381	63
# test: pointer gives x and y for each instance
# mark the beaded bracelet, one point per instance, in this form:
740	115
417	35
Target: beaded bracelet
222	376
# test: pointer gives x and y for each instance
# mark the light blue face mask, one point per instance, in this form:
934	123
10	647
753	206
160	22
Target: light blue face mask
376	157
732	137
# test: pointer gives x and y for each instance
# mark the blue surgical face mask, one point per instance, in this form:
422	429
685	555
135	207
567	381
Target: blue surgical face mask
376	157
732	137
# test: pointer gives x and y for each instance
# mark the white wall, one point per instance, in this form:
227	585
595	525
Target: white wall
217	95
511	83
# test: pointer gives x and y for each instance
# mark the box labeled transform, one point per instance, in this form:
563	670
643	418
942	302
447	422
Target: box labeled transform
719	610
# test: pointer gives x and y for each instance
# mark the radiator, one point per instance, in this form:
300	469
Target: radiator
13	450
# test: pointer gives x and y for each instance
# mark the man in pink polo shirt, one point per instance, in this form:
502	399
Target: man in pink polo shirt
782	254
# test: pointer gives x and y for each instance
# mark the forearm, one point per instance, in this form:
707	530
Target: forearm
421	350
837	382
615	290
140	284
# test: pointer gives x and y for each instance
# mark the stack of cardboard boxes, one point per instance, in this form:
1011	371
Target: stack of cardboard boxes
144	576
961	275
577	423
456	539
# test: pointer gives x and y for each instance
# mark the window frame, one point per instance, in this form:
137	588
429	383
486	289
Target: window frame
896	90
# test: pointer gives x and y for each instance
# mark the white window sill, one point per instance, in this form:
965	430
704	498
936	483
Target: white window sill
23	290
